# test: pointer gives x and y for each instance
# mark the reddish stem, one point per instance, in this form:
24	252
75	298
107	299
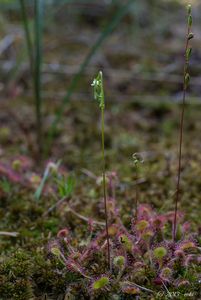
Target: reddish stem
177	196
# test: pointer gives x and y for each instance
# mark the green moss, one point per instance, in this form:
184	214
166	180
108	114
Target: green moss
15	274
27	274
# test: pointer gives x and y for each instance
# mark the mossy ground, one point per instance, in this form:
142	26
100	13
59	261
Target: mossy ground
27	269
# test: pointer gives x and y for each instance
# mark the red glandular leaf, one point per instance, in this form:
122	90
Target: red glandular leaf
63	233
6	171
158	281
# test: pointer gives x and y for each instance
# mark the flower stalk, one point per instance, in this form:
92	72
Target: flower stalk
186	80
99	96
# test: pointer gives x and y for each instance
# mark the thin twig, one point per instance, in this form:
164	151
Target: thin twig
70	209
13	234
84	218
57	204
139	286
89	173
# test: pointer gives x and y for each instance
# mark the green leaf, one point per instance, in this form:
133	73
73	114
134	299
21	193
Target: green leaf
160	252
65	185
100	283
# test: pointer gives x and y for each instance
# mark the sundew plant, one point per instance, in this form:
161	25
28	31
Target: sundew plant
158	252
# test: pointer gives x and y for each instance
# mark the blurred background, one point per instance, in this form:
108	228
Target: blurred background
140	52
50	51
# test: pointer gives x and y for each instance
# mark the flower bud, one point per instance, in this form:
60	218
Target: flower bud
187	80
189	9
190	36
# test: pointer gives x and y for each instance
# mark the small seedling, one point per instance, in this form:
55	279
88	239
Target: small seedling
186	80
65	185
99	97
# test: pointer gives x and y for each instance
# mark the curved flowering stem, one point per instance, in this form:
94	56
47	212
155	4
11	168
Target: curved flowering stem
186	80
99	96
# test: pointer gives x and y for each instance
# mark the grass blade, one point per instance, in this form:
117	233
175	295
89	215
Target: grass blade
37	69
27	34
